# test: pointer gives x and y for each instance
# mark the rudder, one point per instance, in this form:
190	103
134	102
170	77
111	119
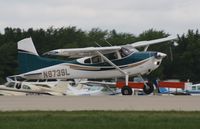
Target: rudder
27	46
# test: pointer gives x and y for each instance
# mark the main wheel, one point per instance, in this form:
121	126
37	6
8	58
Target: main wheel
148	88
126	90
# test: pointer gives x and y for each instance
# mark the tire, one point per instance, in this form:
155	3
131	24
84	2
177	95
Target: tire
149	89
126	90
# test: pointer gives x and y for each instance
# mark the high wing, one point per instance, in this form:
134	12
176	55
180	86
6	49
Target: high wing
82	52
91	51
150	42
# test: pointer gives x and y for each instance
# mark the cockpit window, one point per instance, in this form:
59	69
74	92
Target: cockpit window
125	52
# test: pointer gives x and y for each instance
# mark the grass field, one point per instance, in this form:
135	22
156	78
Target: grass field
100	120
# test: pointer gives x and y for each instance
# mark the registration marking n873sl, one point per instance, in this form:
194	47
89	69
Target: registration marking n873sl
55	73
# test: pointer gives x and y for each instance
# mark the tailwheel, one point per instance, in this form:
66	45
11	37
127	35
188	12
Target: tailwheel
126	90
148	88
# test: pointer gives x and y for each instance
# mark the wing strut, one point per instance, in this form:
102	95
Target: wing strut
118	68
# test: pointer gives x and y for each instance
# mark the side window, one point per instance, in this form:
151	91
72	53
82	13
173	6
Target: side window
111	56
87	61
96	59
26	87
42	80
193	87
51	80
33	80
10	84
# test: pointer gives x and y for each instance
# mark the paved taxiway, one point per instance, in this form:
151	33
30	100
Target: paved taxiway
74	103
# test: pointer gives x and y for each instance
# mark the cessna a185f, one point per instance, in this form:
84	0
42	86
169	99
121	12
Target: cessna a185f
92	62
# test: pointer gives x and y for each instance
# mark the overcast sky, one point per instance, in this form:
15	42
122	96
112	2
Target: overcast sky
132	16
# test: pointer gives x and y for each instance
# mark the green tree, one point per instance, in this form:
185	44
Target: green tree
186	58
8	60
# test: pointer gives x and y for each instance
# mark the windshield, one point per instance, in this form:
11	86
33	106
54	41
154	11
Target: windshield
125	51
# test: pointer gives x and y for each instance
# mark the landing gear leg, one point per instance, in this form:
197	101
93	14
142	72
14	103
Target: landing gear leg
126	90
148	87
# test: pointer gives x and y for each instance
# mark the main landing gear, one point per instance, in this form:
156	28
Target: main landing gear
126	90
147	89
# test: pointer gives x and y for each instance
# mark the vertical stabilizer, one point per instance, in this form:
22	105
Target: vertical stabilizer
29	59
26	45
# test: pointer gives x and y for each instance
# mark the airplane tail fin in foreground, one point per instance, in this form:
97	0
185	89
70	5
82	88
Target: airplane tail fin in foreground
29	59
27	55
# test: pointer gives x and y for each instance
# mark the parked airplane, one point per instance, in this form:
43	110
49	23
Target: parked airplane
55	87
34	87
192	89
188	88
92	62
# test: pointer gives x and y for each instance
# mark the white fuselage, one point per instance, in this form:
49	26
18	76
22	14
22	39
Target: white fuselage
78	71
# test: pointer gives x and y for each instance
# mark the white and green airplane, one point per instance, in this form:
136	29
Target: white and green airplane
92	62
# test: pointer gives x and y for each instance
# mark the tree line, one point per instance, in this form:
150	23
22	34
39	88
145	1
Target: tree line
181	63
